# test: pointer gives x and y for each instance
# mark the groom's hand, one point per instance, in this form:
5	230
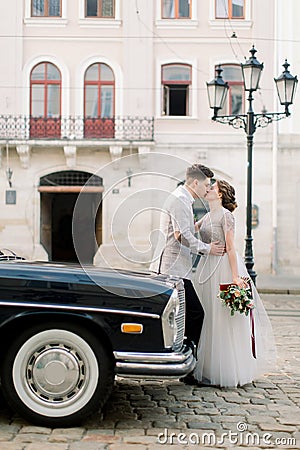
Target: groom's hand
217	249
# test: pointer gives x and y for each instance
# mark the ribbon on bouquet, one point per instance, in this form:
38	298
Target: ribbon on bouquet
252	333
252	326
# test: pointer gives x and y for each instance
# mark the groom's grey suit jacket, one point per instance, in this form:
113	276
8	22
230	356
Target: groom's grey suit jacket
172	257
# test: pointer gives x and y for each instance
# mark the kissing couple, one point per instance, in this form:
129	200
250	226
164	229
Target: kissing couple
224	342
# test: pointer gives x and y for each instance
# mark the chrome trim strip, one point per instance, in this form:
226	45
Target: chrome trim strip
151	357
78	308
169	369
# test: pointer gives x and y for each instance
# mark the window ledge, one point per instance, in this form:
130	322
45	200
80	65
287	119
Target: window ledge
176	117
236	23
99	23
45	22
176	23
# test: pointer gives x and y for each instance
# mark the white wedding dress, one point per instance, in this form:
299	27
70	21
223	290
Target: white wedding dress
225	354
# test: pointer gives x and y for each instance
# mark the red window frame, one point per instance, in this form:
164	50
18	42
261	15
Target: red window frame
45	126
46	8
177	16
228	103
229	9
97	127
99	9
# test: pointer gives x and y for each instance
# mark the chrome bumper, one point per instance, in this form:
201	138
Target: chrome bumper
149	365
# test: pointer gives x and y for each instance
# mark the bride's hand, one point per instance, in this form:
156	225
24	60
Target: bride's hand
241	282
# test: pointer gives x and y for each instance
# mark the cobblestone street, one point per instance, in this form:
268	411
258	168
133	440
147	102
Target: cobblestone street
151	414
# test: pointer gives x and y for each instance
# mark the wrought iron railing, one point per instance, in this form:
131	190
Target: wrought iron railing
76	128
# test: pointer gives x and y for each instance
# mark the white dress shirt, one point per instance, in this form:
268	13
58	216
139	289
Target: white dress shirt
171	256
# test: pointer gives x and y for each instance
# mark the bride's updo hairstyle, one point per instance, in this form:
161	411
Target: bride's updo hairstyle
228	195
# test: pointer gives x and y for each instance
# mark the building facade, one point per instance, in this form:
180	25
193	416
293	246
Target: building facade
110	95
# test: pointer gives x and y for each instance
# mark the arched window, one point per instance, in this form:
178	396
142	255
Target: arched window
232	73
45	100
176	80
99	101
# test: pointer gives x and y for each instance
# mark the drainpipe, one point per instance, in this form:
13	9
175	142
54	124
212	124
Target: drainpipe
274	260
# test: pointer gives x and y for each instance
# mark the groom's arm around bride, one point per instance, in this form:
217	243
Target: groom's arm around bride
178	228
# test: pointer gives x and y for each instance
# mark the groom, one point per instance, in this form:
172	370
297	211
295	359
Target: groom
177	226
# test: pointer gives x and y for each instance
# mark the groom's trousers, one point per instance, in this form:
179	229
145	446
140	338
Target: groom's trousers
194	312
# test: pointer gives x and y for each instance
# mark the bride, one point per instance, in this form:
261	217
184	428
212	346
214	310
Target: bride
226	354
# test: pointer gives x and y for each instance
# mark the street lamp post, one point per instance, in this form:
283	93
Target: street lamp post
217	91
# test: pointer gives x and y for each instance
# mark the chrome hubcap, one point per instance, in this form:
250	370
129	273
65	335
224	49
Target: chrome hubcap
55	373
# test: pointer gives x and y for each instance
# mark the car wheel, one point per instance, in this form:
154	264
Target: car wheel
57	374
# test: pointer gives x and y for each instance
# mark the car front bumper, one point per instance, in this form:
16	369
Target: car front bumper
158	365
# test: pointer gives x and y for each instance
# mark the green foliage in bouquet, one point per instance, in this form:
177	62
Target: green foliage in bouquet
236	298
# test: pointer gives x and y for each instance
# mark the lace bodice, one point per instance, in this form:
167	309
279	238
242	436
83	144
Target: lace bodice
215	225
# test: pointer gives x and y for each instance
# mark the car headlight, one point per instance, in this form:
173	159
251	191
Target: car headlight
169	319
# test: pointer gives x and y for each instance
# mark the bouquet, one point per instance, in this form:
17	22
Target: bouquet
236	298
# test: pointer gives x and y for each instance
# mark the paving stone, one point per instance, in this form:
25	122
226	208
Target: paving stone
227	418
203	425
197	417
237	411
158	411
143	404
30	437
260	401
145	440
179	410
270	426
6	427
102	438
167	403
35	430
127	447
291	420
47	446
264	385
11	446
128	424
100	431
105	424
4	436
68	431
121	416
88	446
174	447
209	411
167	422
158	430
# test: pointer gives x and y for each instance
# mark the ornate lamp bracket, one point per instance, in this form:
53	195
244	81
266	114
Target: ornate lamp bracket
235	121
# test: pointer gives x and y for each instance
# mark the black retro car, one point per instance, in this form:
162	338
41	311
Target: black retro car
66	331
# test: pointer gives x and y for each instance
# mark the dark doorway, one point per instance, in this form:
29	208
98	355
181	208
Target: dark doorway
58	201
62	242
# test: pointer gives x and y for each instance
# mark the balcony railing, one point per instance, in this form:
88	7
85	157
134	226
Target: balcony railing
76	128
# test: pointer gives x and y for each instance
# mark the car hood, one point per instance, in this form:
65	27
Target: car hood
75	273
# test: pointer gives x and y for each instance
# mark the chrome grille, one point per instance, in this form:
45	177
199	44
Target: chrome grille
180	318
